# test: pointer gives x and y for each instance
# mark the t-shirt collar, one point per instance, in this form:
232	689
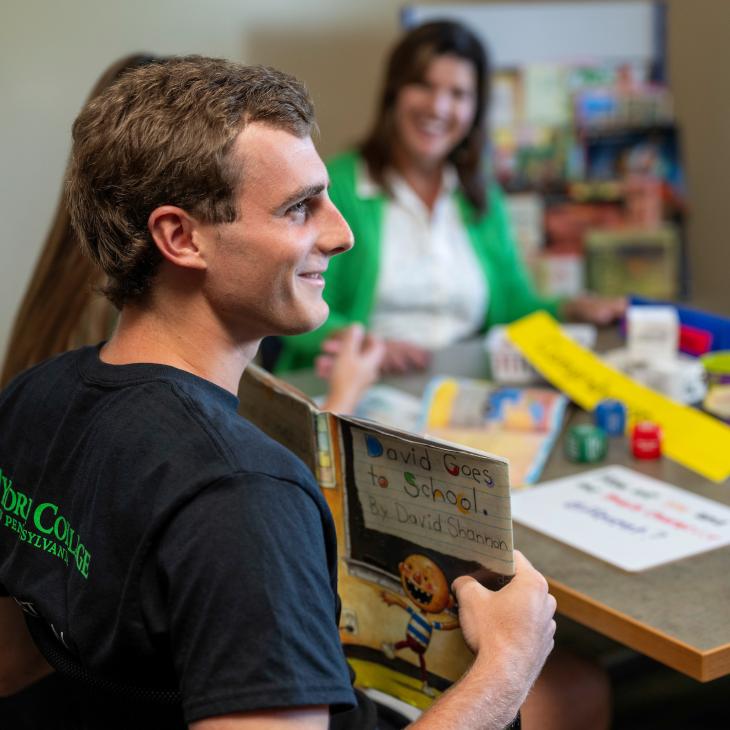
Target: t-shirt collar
93	368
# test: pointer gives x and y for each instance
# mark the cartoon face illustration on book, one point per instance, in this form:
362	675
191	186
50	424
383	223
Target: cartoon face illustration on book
426	587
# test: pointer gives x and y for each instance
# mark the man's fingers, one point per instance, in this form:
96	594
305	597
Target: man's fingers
526	575
461	581
467	588
521	562
552	603
524	568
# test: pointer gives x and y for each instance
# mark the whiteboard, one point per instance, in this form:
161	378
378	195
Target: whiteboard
557	32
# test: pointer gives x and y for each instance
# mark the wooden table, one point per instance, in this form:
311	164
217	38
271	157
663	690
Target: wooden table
678	614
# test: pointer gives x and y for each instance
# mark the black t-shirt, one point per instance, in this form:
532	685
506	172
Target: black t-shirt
166	539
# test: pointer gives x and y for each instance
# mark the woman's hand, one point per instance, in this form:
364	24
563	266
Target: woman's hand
404	357
350	360
594	309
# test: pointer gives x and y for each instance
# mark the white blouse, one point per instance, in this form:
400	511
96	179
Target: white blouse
431	290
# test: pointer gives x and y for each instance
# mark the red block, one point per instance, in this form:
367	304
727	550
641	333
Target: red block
694	341
646	440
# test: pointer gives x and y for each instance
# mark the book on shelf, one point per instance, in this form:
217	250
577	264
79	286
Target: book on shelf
412	513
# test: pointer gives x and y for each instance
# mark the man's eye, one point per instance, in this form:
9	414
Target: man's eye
300	210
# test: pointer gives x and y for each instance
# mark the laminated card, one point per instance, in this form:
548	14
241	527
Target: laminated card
628	519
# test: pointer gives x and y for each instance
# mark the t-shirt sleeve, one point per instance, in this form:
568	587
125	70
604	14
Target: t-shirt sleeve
249	601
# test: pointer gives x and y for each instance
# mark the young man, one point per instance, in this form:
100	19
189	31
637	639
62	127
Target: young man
160	538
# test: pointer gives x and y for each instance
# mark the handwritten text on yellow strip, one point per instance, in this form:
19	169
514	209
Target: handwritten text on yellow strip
694	439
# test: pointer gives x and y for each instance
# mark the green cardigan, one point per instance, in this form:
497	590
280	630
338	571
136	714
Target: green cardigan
351	279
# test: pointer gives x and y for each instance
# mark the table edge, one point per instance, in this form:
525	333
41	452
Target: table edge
696	663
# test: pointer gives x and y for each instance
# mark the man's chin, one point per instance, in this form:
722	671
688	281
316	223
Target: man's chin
307	323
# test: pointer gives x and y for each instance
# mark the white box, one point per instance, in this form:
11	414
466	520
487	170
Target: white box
507	364
652	332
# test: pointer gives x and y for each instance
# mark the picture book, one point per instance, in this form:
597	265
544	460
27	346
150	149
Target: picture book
412	514
521	423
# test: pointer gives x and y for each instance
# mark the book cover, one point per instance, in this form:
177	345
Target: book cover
412	513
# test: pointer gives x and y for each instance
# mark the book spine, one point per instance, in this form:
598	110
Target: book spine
325	457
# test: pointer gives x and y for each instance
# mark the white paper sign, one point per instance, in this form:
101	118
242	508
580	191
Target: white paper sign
623	517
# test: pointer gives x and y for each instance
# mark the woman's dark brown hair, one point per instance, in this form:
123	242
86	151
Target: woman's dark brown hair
407	64
61	309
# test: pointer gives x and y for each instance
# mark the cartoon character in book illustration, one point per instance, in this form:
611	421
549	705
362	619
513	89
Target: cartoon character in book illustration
426	587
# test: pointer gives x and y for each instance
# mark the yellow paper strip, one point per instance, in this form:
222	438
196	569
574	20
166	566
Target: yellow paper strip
692	438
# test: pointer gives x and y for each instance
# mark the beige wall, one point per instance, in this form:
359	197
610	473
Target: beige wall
50	54
699	53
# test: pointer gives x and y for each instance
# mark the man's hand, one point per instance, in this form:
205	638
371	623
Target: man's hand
515	623
404	357
351	361
511	631
594	310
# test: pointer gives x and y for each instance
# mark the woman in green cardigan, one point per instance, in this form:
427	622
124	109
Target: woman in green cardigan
434	258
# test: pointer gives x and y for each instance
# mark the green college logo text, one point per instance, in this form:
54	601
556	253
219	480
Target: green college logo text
42	526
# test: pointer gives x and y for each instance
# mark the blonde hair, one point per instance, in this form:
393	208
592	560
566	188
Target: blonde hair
60	309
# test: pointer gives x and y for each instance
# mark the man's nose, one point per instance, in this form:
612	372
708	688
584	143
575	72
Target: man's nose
336	236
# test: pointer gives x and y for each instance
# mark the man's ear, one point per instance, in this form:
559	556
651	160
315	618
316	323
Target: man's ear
172	230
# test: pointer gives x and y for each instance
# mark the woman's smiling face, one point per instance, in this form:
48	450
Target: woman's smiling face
434	115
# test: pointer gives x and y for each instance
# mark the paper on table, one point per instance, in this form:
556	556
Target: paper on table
391	406
520	424
694	439
623	517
